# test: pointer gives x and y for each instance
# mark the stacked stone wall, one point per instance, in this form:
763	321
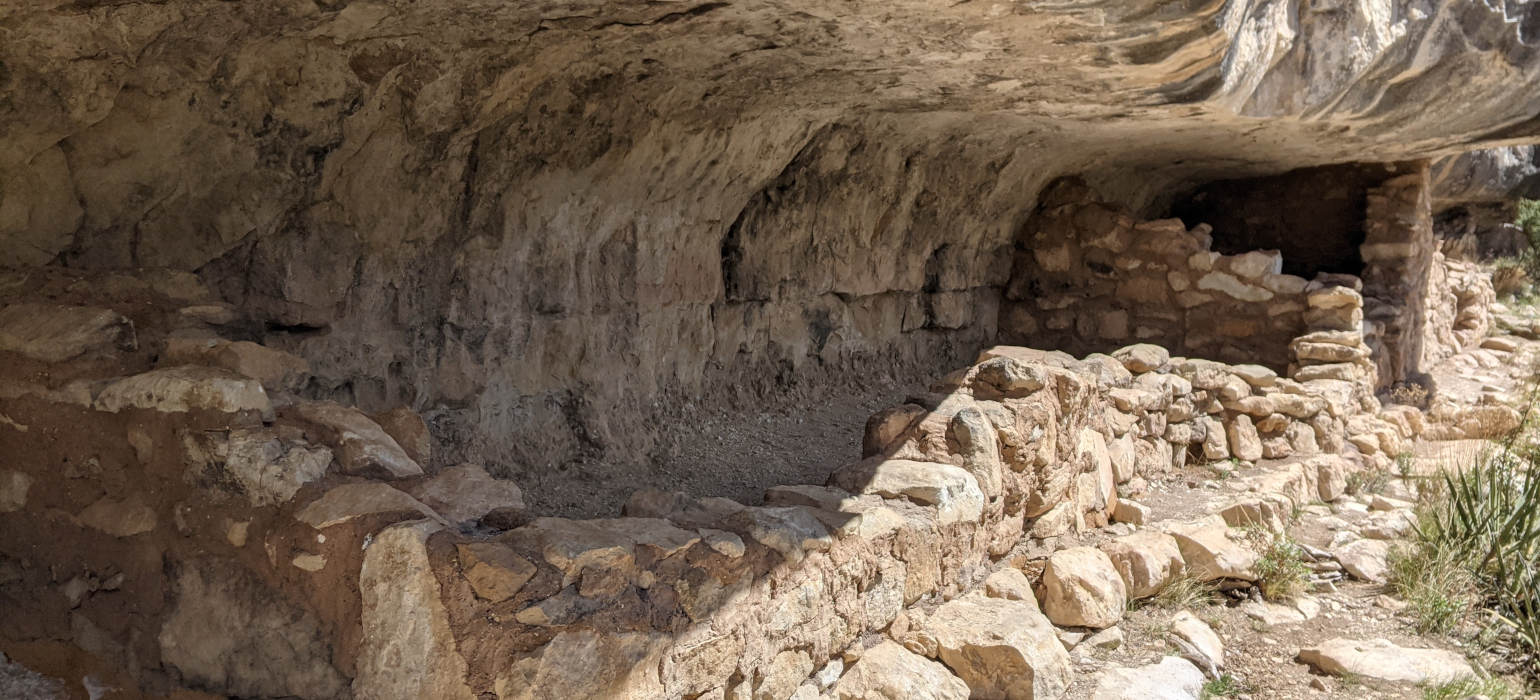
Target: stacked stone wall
343	560
1398	259
1089	277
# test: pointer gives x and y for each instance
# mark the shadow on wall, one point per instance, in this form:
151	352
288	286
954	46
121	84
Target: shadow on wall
1313	216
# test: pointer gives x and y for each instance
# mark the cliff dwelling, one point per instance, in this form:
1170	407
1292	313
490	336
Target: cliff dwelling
356	349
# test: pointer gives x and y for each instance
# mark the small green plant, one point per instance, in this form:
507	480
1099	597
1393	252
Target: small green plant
1439	592
1281	572
1224	469
1367	481
1490	688
1225	686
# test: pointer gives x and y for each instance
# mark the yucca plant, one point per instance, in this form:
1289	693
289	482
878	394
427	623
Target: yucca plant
1487	518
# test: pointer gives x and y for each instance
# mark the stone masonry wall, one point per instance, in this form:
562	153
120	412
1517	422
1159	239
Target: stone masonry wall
1398	257
1088	277
218	532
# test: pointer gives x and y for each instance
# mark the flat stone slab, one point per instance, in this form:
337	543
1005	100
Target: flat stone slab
349	501
1379	659
952	490
183	389
467	493
363	447
56	333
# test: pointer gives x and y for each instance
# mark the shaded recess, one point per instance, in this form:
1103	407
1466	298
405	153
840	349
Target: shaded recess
1313	216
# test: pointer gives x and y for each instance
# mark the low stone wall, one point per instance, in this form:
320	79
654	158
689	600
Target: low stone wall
1089	277
694	597
214	531
1459	302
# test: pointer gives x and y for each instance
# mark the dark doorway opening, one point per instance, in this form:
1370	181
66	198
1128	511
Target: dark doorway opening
1314	216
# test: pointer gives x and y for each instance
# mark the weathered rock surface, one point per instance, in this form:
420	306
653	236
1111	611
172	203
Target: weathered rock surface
182	389
1082	588
1000	648
494	571
275	369
372	199
408	649
254	463
1172	678
1379	659
890	672
55	333
363	448
1365	559
1210	552
17	681
1197	641
466	494
228	632
581	663
14	486
1146	561
953	491
123	517
349	501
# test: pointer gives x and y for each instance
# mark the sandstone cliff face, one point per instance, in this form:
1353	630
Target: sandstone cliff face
543	223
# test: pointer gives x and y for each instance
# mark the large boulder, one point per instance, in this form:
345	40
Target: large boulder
1082	588
1000	648
1146	561
890	672
407	648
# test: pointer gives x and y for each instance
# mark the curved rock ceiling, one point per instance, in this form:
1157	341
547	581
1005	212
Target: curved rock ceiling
547	224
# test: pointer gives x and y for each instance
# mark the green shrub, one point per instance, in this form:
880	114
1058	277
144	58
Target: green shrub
1484	523
1529	220
1225	686
1281	572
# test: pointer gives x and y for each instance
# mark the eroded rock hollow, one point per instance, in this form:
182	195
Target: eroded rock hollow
338	336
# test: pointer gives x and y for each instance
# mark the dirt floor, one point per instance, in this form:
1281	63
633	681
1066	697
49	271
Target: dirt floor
737	453
1262	658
